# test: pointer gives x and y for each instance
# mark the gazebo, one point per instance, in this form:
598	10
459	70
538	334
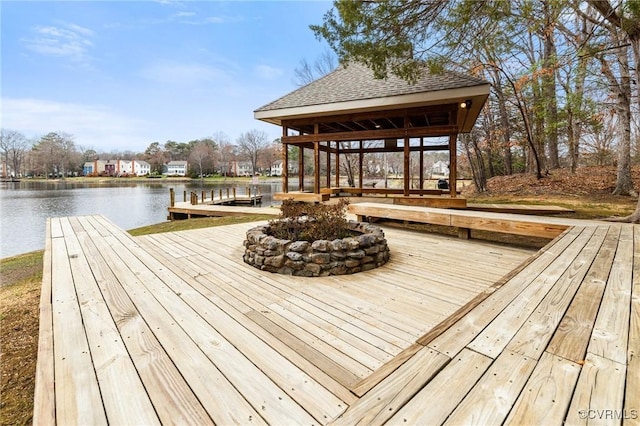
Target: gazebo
349	112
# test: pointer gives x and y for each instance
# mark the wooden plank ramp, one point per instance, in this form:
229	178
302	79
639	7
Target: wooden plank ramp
175	328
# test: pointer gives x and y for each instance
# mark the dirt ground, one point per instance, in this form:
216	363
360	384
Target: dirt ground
20	277
591	183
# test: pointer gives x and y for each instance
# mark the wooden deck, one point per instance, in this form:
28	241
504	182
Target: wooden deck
174	328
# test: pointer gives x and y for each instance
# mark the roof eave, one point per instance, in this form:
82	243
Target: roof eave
477	94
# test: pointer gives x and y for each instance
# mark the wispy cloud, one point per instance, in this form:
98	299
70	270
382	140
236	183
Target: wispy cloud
180	15
90	125
267	72
67	40
183	73
192	18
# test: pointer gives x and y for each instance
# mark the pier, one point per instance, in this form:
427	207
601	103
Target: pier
220	202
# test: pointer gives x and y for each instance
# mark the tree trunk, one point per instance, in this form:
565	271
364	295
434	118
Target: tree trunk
630	26
624	184
574	125
476	161
505	126
549	88
635	46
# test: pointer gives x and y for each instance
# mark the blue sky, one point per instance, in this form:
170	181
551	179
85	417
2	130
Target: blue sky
119	75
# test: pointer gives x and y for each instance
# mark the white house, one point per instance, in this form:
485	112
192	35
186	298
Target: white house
241	168
440	168
141	168
276	168
175	168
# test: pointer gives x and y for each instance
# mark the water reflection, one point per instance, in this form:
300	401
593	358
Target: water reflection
25	205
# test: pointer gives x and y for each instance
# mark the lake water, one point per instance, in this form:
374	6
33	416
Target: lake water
25	206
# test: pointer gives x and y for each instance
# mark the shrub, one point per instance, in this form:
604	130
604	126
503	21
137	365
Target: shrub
311	222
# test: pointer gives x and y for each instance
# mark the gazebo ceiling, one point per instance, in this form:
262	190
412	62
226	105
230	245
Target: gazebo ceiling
350	99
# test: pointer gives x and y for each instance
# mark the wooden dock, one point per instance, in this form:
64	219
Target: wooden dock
217	203
175	328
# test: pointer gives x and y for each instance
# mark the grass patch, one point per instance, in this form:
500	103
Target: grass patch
21	268
585	207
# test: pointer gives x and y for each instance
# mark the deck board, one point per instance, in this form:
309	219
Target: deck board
44	390
456	337
74	371
114	368
172	397
632	391
547	394
175	328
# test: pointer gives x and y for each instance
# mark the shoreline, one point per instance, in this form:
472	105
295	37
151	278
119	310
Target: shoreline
162	179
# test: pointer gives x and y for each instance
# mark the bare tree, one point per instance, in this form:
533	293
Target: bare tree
155	155
305	73
598	146
251	145
13	145
55	152
201	154
629	24
271	153
225	151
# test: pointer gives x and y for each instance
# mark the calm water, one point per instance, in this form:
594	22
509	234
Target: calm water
24	206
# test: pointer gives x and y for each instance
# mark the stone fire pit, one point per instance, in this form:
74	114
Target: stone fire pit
364	251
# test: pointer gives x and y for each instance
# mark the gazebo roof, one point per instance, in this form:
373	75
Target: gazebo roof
354	89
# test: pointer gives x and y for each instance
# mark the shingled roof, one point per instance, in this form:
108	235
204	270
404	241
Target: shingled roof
356	82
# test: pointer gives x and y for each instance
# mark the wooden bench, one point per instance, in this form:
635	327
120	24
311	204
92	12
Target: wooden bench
380	191
308	197
464	220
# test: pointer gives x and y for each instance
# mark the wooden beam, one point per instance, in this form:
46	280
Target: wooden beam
316	167
453	166
379	134
338	163
328	153
316	162
360	163
397	149
421	165
285	162
373	115
407	155
301	169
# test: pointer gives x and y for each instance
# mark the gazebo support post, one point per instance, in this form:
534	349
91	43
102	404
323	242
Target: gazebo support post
360	163
421	166
316	167
337	164
285	163
316	159
407	153
453	165
328	158
301	168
